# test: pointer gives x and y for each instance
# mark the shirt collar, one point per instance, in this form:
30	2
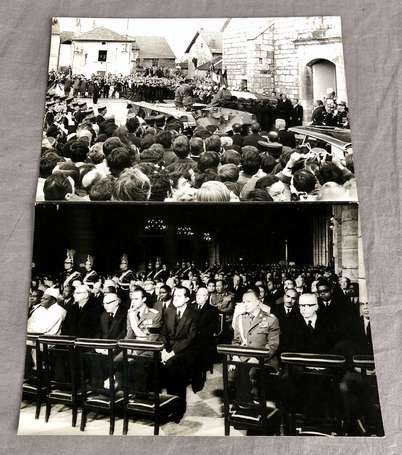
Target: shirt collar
313	320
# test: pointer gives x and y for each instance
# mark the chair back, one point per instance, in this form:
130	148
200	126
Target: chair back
60	363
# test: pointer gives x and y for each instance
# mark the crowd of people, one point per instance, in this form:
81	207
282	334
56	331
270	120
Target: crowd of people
86	155
283	308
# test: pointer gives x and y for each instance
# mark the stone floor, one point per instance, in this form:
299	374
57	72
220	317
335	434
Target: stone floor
203	418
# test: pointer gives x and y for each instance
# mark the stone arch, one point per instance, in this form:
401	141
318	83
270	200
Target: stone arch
313	53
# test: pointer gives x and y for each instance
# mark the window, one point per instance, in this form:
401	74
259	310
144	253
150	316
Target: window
102	56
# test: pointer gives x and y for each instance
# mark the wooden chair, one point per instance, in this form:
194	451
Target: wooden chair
95	369
313	375
372	412
149	404
61	374
254	414
33	387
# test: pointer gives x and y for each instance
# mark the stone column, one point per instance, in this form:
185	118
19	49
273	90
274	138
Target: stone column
346	243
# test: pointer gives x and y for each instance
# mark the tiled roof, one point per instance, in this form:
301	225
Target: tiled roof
213	40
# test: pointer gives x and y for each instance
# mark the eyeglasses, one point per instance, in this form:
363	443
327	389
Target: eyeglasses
107	303
307	305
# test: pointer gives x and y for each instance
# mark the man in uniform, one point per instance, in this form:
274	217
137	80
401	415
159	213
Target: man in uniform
124	276
69	275
91	277
254	328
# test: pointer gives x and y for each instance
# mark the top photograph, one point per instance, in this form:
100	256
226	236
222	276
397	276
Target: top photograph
196	110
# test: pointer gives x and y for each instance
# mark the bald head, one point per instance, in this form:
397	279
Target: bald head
308	304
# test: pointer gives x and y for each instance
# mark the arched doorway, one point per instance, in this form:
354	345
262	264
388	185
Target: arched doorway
323	77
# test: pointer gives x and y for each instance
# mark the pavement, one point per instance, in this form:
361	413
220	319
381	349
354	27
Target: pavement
115	106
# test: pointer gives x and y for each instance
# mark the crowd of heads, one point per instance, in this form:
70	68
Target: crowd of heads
88	155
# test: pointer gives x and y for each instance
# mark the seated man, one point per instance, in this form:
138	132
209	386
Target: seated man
254	328
113	319
83	317
143	323
360	394
47	318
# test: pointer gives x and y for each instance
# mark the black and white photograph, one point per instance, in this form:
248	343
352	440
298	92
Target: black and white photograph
196	110
199	320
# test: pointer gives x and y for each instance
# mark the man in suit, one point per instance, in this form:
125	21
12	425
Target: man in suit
83	318
286	138
314	332
333	306
318	114
237	138
254	137
164	299
113	320
179	334
286	313
297	114
149	286
208	321
359	395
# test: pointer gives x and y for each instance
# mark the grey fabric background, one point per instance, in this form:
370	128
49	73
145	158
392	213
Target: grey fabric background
372	34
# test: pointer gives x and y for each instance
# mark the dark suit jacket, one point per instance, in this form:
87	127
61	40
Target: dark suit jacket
207	321
253	139
82	323
118	327
285	322
321	341
183	337
151	300
287	138
237	140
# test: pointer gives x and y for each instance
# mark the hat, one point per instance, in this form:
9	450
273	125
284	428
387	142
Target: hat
274	149
54	292
69	99
102	108
75	103
63	97
82	103
129	105
263	146
124	258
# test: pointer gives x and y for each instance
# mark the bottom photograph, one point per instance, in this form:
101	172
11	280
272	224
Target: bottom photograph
198	320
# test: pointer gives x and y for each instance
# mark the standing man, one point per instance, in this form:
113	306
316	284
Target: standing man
179	334
69	275
91	277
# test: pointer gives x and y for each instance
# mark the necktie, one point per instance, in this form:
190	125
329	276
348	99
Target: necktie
368	330
199	307
310	326
110	319
138	315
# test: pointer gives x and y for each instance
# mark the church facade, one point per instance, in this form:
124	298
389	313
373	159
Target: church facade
300	56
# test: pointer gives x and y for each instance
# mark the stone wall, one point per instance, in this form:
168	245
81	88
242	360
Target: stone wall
278	54
348	260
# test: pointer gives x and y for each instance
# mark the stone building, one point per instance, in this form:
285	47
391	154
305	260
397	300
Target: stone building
54	46
300	56
103	51
206	46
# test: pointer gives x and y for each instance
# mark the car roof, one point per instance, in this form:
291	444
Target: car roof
339	137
